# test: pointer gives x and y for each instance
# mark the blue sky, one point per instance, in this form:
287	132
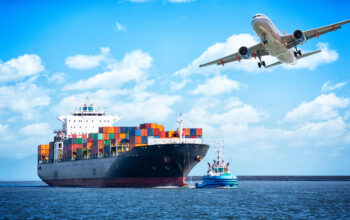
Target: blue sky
140	59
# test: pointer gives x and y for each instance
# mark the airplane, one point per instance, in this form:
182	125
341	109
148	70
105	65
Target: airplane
274	43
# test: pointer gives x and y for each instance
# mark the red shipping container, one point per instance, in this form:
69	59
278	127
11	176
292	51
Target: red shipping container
105	130
116	136
162	134
199	131
148	125
79	146
89	140
118	140
84	135
100	143
156	132
144	132
193	136
117	130
105	136
74	136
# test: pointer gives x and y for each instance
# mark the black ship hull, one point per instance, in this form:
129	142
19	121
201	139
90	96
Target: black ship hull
148	166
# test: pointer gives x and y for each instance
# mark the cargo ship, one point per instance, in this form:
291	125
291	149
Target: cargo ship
90	151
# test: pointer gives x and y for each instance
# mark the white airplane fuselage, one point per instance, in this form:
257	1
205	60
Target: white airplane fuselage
269	33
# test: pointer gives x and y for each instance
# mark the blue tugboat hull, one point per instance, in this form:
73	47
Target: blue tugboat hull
227	181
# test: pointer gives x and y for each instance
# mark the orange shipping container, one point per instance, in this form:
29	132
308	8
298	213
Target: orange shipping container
123	135
187	131
110	130
199	131
143	132
153	125
117	130
105	130
160	127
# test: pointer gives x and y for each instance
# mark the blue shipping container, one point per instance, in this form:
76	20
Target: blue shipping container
150	131
144	140
193	132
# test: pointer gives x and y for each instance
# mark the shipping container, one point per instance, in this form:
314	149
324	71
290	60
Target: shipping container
144	132
193	132
105	136
144	140
111	136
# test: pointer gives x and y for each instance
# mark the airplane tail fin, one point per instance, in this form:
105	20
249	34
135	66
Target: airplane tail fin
298	58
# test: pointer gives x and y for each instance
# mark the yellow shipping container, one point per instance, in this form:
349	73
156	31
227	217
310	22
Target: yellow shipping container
160	127
123	135
154	125
110	130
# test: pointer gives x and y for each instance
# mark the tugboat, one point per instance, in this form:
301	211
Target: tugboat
218	175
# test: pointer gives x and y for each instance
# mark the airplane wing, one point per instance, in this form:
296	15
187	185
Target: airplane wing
298	58
255	50
291	42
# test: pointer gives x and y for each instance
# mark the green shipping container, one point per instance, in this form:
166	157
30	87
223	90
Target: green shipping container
79	140
94	136
91	135
111	136
100	136
106	143
79	152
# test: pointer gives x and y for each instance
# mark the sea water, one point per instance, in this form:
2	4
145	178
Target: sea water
252	199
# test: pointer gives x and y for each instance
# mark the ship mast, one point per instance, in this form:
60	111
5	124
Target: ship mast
219	152
180	131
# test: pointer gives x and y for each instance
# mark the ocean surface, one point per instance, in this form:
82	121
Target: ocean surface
251	200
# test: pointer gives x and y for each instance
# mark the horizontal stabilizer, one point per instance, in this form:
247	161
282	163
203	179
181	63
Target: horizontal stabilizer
308	54
298	58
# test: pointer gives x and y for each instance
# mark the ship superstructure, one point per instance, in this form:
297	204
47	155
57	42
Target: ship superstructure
86	120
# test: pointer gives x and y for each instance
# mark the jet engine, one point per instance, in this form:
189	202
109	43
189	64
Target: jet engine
244	52
299	36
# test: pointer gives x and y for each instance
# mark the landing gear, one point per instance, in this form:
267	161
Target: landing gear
297	52
261	63
264	39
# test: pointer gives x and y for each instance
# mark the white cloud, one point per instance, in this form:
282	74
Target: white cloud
82	62
323	107
233	44
327	87
120	27
57	78
213	114
217	85
20	67
133	67
175	86
24	98
38	129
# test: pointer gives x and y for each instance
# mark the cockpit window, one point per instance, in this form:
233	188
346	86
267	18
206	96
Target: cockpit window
255	16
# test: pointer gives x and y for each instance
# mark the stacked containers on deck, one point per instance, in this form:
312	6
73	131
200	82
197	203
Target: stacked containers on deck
112	139
43	152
